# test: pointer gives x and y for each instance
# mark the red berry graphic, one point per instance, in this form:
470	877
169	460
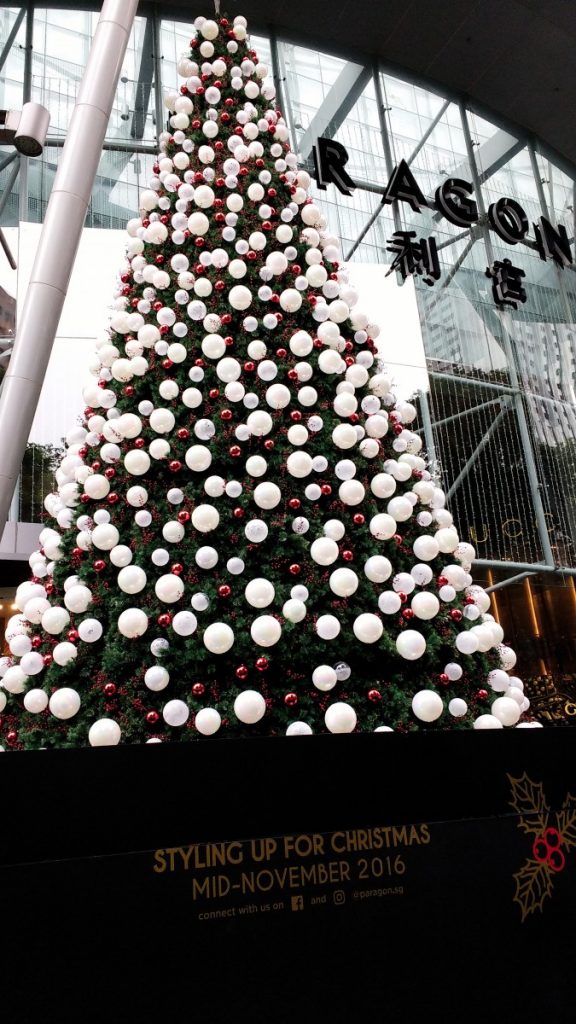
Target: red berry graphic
540	849
556	860
553	838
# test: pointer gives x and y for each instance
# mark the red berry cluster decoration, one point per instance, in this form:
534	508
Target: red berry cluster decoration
547	849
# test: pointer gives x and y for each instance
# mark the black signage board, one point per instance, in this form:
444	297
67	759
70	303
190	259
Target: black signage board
375	877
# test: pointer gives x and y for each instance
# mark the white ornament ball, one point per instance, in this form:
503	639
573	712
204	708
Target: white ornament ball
487	722
368	628
324	551
205	518
340	718
324	678
184	623
156	678
467	643
104	733
327	627
294	610
249	707
507	657
425	548
427	705
344	582
64	653
132	623
265	631
64	703
457	707
35	701
218	638
90	630
207	721
425	605
506	710
389	602
410	645
259	593
298	729
169	588
176	713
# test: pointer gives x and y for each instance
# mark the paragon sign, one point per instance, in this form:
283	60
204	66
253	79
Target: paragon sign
454	200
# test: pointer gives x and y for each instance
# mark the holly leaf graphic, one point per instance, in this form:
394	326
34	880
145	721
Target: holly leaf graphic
529	802
533	885
566	820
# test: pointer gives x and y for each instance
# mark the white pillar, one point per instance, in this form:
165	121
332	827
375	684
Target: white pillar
38	320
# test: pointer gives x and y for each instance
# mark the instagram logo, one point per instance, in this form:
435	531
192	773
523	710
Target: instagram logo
339	896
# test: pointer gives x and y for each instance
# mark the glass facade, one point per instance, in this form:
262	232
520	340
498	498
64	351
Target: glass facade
498	398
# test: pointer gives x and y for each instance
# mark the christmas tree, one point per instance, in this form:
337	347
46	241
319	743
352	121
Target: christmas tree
245	539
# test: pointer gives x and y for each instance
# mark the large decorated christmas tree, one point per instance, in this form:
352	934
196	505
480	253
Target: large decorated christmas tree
246	539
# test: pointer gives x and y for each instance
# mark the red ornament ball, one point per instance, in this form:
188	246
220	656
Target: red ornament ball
198	689
175	465
294	503
110	689
139	442
183	516
290	699
359	519
224	590
164	619
177	569
262	664
48	659
238	513
407	613
442	581
482	694
242	672
455	614
444	679
295	569
235	451
375	696
152	717
348	556
269	444
99	565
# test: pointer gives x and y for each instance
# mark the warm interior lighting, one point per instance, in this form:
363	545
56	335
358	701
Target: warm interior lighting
573	589
531	608
494	603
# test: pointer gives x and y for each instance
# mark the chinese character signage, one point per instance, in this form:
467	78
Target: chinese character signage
418	257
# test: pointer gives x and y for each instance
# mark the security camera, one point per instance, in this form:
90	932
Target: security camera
25	129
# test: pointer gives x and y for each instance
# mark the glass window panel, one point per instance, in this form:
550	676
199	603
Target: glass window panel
12	73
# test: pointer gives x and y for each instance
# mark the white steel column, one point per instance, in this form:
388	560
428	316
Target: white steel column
65	215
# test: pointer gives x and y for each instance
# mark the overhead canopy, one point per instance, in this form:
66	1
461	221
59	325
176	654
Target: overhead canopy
514	60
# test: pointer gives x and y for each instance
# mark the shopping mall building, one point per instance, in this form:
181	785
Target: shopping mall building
456	121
